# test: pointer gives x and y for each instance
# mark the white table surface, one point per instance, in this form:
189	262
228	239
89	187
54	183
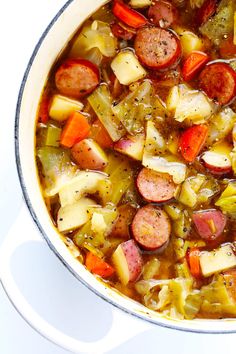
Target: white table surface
47	285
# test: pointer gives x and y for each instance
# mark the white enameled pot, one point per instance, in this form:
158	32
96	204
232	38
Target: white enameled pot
52	42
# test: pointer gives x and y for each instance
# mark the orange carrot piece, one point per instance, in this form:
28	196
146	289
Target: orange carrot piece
100	135
76	129
193	64
97	266
192	141
194	262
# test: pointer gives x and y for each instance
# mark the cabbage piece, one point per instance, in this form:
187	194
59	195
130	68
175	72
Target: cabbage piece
164	164
217	299
222	23
182	226
151	268
94	35
189	105
227	199
192	304
100	100
57	169
138	106
220	125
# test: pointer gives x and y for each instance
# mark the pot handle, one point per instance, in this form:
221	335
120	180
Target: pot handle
122	328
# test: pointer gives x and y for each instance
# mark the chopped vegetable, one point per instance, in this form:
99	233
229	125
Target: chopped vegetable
62	107
220	125
74	215
121	180
221	24
127	68
151	269
85	182
130	17
76	129
100	100
100	135
227	200
193	64
217	260
190	105
189	41
194	262
182	226
94	35
131	146
52	137
139	4
136	107
218	159
192	141
89	155
97	266
56	167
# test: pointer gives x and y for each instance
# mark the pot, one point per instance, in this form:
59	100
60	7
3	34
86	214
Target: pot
50	45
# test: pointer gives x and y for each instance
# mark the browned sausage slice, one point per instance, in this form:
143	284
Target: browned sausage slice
155	187
157	48
162	13
151	227
77	77
218	80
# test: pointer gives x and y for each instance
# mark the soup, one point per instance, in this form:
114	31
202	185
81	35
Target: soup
136	152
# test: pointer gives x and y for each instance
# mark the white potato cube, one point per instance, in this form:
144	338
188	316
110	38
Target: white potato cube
217	260
139	4
74	215
61	107
127	68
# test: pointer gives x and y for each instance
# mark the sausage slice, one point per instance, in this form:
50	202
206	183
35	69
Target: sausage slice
151	227
157	48
155	187
209	223
162	13
218	80
77	77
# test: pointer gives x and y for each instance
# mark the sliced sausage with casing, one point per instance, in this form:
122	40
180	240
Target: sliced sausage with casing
155	187
77	78
151	227
157	48
162	13
218	80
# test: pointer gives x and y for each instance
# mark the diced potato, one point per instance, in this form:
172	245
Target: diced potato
189	41
131	146
127	68
61	107
217	260
85	182
98	224
139	4
173	142
74	215
127	261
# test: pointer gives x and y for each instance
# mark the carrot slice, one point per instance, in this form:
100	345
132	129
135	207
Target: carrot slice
192	65
192	141
194	262
100	135
97	266
75	130
129	16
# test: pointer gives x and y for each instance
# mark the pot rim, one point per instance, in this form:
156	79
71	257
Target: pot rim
33	213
